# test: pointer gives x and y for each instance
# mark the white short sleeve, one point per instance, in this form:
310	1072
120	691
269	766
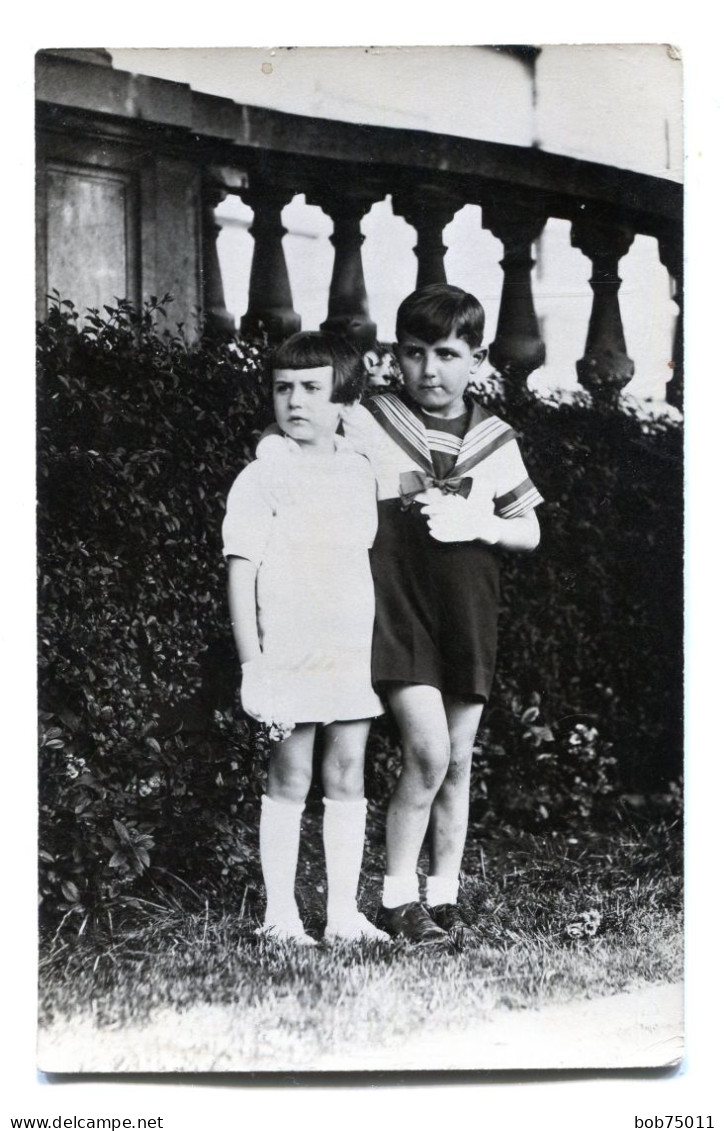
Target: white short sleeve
368	495
249	515
514	492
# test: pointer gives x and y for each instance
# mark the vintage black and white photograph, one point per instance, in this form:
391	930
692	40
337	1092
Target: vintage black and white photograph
360	536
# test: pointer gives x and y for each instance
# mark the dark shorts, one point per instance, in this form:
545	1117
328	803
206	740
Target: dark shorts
436	619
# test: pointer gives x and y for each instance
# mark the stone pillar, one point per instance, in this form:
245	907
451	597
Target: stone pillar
348	310
605	367
428	211
671	254
270	294
518	348
218	320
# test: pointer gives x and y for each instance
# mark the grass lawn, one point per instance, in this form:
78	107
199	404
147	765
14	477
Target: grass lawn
559	917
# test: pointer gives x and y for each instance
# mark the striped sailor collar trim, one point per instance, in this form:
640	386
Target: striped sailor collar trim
403	421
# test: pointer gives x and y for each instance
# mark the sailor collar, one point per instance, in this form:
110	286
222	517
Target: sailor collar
403	423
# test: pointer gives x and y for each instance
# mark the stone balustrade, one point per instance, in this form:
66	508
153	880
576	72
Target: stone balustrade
173	154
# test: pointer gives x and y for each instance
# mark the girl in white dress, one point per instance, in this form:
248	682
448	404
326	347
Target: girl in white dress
299	524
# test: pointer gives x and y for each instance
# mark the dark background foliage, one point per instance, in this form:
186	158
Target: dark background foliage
149	773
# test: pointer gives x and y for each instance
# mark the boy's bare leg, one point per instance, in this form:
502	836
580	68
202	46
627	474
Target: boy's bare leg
450	809
421	717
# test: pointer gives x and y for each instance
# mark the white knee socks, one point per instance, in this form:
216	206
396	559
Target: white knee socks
279	830
344	835
343	832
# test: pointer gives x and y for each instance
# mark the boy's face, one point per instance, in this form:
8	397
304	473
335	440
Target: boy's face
302	405
436	375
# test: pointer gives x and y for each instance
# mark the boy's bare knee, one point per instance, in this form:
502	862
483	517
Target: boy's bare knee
429	763
458	771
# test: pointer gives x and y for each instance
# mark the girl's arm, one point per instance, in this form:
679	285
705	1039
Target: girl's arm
242	606
259	692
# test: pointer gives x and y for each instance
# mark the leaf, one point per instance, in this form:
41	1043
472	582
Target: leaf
70	891
542	734
122	831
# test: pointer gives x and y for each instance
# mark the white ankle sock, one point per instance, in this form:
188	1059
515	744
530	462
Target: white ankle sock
442	889
343	832
279	830
400	889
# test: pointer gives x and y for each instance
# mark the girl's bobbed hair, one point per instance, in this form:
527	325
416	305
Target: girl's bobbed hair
439	310
313	349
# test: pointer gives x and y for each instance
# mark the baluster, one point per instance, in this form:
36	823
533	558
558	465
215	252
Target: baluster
348	310
218	320
671	254
429	211
605	366
270	294
518	348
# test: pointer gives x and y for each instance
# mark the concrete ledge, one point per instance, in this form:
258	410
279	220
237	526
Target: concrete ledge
103	91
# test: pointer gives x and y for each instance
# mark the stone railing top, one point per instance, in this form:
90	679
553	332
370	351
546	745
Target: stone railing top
229	126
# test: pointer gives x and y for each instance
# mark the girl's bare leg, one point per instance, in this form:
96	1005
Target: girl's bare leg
290	765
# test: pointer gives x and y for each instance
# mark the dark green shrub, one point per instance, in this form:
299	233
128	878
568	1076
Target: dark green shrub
593	622
143	759
150	776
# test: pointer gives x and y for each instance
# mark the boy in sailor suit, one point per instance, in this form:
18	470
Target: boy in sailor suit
452	490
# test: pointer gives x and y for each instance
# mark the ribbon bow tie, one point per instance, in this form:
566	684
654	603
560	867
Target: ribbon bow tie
412	483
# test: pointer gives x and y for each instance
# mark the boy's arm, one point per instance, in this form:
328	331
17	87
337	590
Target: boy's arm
452	518
522	533
242	607
358	425
360	428
507	519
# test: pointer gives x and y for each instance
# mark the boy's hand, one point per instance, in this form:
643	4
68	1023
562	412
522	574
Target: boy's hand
272	443
452	518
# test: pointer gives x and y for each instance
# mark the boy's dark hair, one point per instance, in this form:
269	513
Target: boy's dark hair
439	310
312	349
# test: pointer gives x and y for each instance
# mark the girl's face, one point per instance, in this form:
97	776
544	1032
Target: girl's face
303	408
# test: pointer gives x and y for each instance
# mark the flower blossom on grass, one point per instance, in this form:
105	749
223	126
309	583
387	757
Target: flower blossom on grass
585	926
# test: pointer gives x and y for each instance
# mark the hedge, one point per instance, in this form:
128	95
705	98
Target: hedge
149	773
